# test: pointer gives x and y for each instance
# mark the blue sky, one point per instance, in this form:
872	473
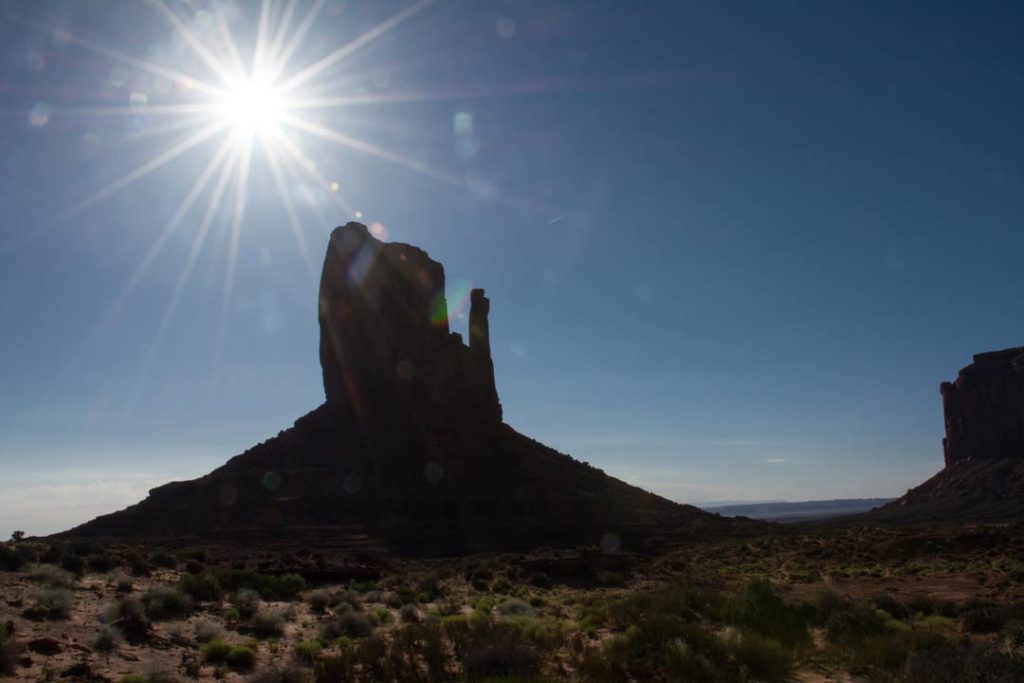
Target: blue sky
731	248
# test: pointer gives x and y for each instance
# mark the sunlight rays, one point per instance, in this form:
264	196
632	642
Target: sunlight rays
141	171
241	106
377	31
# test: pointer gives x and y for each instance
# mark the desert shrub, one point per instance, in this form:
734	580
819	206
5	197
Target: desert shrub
611	579
307	650
155	673
514	607
10	650
409	614
924	604
238	657
890	604
72	563
502	659
765	659
270	587
165	603
123	584
201	587
383	615
967	662
935	622
127	606
350	624
51	575
10	560
247	602
268	624
241	658
194	567
539	579
164	559
661	646
53	603
100	562
318	601
334	668
216	651
134	678
106	639
197	554
761	610
290	673
284	587
856	622
207	630
980	616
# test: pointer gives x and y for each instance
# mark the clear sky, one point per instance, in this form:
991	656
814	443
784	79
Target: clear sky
731	248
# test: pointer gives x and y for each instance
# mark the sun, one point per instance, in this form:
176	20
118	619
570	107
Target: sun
252	106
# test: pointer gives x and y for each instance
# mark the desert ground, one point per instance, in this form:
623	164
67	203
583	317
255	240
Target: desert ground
797	604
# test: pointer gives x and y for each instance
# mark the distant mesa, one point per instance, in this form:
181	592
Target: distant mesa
410	449
983	477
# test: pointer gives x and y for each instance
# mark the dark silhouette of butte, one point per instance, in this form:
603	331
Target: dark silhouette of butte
983	477
409	447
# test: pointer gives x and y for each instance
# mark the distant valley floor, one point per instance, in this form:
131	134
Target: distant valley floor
800	511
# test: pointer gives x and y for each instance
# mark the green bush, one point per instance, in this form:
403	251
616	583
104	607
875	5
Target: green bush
10	650
201	587
163	559
216	651
268	624
164	603
238	657
350	624
409	614
514	607
10	560
502	659
51	575
207	631
270	587
247	602
318	601
980	616
106	639
761	610
307	650
241	658
765	659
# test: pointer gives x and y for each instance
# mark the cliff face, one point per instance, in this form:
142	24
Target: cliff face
984	408
409	448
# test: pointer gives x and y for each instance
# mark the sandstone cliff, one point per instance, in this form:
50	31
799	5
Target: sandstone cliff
984	408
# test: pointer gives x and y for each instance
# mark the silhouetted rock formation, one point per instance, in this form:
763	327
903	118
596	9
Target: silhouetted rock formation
984	408
410	446
387	354
983	477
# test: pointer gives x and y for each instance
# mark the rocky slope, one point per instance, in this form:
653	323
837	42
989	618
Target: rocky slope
410	446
